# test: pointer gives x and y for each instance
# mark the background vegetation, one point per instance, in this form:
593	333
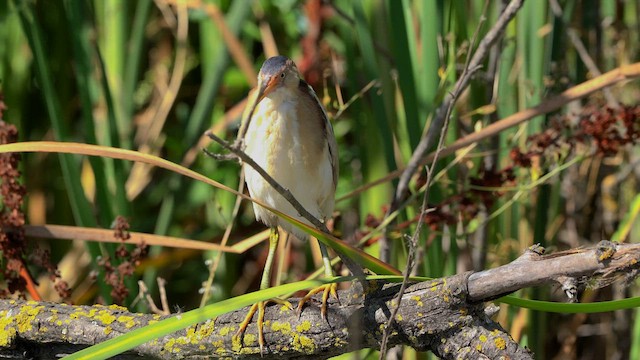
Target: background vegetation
152	76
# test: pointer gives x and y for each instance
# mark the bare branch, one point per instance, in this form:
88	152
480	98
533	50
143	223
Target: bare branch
442	113
440	123
446	316
413	243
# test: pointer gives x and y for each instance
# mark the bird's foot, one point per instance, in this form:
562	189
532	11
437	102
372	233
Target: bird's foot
258	307
327	290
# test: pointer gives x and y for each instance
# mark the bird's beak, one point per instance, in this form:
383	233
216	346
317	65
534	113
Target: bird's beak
264	88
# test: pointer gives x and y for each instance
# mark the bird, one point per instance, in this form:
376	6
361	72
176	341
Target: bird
287	132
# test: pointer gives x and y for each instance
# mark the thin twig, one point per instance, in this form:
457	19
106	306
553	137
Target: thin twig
355	97
143	294
149	133
474	65
225	238
163	295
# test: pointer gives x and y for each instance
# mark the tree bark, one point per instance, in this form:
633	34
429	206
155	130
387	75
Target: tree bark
446	316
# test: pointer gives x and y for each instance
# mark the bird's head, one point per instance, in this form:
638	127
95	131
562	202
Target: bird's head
277	72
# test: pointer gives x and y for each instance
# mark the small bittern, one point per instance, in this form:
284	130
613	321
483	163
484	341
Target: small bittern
287	132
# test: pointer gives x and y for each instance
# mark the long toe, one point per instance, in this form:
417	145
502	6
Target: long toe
243	325
327	291
261	307
258	307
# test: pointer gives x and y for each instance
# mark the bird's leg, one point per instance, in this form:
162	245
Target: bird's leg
327	290
264	284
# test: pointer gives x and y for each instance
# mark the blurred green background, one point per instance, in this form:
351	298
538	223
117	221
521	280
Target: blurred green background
152	76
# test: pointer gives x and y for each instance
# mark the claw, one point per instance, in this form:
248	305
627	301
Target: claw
258	307
327	290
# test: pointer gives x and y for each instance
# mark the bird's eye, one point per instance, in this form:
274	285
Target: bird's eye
282	76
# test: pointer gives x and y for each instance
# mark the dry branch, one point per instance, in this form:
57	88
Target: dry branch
446	316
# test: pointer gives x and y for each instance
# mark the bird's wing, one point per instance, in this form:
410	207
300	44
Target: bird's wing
328	131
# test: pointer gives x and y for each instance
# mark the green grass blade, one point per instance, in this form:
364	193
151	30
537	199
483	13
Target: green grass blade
134	56
566	308
202	109
635	334
404	65
80	206
80	39
373	71
112	17
628	222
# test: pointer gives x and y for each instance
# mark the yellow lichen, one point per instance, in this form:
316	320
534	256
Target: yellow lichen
225	330
206	329
27	316
398	317
418	300
190	338
7	329
168	346
483	338
236	344
115	307
106	317
127	321
107	330
500	343
249	339
283	327
305	326
303	344
340	342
